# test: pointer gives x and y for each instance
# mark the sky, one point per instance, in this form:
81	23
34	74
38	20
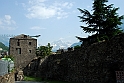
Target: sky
52	19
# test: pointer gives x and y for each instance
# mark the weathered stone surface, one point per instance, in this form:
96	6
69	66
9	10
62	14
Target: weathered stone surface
23	49
8	78
94	64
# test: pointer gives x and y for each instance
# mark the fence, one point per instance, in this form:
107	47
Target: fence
3	67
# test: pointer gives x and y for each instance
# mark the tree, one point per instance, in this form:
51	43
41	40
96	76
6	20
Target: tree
77	46
44	50
104	21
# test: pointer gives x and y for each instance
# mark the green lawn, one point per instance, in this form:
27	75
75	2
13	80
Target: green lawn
27	78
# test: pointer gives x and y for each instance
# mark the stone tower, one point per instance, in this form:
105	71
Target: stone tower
23	49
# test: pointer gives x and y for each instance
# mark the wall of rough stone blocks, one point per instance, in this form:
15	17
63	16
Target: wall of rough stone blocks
21	60
8	78
94	64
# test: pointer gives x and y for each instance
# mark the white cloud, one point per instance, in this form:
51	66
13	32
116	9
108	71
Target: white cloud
8	20
7	17
7	23
41	10
36	28
64	5
32	2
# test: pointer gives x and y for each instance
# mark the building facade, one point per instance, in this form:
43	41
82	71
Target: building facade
23	49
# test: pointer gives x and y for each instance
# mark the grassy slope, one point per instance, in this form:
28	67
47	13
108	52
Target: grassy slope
40	80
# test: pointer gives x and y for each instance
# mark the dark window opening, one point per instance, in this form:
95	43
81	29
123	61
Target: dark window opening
29	51
25	36
18	50
29	43
18	43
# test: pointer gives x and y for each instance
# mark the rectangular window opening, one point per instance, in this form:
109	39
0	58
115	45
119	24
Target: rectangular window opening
29	51
18	43
18	50
29	43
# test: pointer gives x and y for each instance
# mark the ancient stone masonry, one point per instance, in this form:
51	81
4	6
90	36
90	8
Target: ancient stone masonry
23	49
96	63
19	76
8	78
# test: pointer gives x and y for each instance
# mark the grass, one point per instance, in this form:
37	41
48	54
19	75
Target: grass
29	78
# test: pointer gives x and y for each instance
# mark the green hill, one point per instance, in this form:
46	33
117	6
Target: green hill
3	46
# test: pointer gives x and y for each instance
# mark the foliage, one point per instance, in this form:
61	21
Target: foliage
37	79
27	78
44	50
77	46
9	56
103	21
3	46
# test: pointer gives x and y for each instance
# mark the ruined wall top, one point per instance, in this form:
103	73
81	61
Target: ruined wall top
22	36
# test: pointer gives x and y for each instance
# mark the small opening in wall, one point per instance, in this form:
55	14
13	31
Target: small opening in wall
18	50
29	43
29	51
25	36
18	43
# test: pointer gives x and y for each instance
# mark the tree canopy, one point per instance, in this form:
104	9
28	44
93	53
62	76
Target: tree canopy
44	50
103	21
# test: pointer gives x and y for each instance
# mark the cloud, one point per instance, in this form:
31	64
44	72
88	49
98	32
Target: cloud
8	20
63	4
36	28
7	23
40	9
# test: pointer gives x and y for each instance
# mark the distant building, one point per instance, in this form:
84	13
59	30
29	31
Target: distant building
23	49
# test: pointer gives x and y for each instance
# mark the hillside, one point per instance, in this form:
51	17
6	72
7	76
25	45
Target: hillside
3	46
4	40
75	44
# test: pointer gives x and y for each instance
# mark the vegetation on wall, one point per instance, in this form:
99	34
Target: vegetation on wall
44	50
37	79
104	20
77	47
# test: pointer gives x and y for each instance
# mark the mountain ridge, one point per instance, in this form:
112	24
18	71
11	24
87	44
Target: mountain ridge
4	40
59	44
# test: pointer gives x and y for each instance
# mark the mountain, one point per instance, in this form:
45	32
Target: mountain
4	40
3	46
60	45
75	44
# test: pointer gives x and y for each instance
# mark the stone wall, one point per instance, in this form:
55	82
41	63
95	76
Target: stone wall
8	78
94	64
